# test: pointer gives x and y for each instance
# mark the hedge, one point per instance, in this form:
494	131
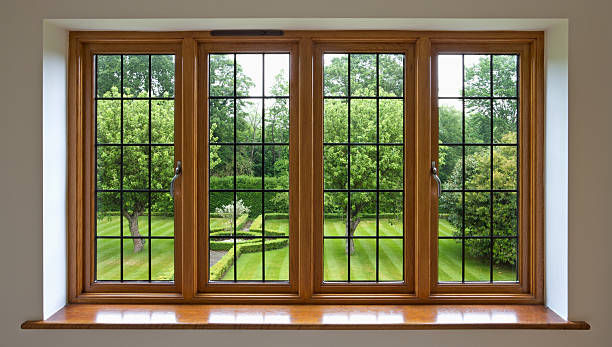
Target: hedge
251	232
218	270
363	215
252	200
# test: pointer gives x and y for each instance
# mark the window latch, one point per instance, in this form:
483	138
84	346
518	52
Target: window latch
434	173
177	173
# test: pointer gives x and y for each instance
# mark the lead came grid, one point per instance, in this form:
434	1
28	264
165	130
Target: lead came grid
241	85
139	90
487	232
364	84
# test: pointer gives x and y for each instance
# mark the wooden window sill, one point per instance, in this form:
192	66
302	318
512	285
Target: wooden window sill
312	317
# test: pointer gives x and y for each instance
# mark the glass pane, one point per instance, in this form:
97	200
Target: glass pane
449	260
221	210
335	167
249	121
391	121
450	167
363	260
335	260
450	215
335	74
136	259
108	259
136	76
363	121
276	167
221	118
136	167
335	121
505	214
221	166
249	74
505	116
162	214
477	214
162	166
477	167
108	121
162	260
477	260
390	262
108	167
363	167
391	78
477	75
450	75
108	76
450	120
221	74
505	260
391	167
277	259
162	121
478	121
248	265
505	75
505	163
135	121
334	209
276	214
363	74
276	77
248	207
136	214
363	214
162	75
221	259
108	214
248	167
277	120
391	215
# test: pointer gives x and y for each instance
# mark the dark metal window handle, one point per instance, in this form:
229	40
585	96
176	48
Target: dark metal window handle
177	173
434	172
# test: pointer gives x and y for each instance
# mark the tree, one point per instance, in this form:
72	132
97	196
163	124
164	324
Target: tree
364	159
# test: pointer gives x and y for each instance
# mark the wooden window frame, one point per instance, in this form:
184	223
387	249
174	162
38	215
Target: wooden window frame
306	210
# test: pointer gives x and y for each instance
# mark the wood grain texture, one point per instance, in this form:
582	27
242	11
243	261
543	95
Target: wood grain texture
305	317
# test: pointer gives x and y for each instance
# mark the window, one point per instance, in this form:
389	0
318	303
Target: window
308	166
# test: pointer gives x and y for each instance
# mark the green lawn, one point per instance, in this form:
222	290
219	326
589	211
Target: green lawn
136	265
363	260
449	261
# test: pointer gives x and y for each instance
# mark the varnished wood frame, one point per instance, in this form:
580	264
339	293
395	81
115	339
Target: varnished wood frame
398	290
228	289
88	286
424	185
530	175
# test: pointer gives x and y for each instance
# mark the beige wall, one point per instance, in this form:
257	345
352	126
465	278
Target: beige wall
590	121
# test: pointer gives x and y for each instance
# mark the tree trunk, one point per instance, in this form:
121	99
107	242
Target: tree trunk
133	223
351	226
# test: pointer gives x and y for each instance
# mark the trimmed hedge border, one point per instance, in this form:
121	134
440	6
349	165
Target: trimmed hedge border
218	270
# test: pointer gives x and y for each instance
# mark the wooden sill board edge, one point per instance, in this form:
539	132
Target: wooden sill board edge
306	317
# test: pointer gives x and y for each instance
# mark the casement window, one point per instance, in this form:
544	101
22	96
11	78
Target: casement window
306	167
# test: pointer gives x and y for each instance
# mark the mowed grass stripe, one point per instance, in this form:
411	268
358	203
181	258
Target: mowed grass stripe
135	265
